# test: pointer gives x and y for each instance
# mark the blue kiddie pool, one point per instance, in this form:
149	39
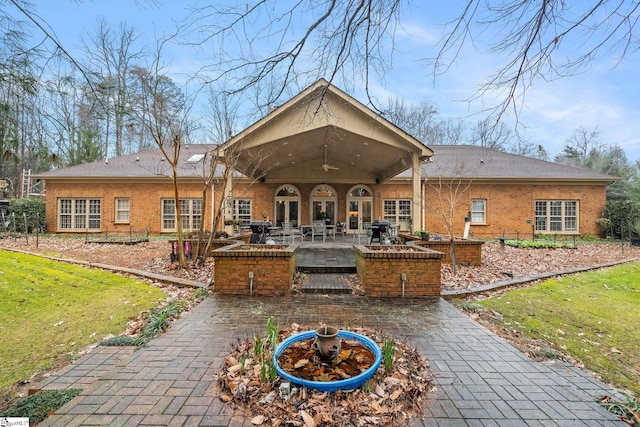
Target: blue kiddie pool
330	386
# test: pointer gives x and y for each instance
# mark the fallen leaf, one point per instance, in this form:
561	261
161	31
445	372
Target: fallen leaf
235	368
380	391
615	350
377	408
226	397
257	420
300	363
395	394
309	421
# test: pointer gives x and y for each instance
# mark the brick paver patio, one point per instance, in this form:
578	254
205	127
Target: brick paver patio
481	380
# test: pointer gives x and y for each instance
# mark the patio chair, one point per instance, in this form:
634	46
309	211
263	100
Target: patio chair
319	228
289	231
363	232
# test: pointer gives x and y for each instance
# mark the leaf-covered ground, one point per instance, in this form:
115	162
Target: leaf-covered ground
498	264
392	397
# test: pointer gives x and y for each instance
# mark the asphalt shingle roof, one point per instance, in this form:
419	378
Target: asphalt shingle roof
465	161
148	163
450	161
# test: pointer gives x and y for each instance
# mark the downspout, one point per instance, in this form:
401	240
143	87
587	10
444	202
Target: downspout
213	209
423	205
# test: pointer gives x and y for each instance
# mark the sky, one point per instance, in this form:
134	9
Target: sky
603	97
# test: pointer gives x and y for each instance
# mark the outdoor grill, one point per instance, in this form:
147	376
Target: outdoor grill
378	229
259	230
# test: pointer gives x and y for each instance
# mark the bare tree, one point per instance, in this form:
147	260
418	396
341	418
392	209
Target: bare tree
451	194
113	56
349	37
488	135
162	110
531	36
222	114
74	130
418	120
525	148
580	145
450	132
586	149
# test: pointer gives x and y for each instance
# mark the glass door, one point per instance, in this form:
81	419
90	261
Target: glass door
323	204
324	210
287	206
359	211
359	208
287	211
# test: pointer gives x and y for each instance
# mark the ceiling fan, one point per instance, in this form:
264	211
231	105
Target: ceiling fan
326	166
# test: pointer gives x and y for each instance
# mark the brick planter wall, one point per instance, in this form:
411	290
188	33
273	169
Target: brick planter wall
273	267
467	251
380	269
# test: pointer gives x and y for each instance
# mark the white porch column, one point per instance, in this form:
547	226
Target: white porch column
416	194
227	199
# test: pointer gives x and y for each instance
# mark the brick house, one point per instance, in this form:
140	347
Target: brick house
324	154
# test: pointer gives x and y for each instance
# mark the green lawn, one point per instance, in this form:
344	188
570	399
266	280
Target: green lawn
594	317
51	310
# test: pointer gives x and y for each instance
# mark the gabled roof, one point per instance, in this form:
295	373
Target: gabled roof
479	163
323	125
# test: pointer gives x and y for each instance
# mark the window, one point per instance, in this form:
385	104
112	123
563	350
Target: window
242	211
398	212
79	214
190	214
122	210
478	211
556	216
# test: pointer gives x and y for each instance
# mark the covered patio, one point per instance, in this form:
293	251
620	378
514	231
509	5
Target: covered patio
324	156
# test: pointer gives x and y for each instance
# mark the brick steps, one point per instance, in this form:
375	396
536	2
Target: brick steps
326	283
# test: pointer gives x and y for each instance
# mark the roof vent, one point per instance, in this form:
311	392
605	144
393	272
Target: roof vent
106	160
137	159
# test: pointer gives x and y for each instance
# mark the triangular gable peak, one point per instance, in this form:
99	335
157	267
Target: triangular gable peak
323	134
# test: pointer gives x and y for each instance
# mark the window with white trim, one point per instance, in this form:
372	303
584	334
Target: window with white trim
478	211
556	216
398	211
79	214
242	211
122	210
190	214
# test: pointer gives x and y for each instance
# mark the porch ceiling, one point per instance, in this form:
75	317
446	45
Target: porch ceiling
291	142
300	158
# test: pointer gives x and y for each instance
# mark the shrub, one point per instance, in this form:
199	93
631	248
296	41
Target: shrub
622	214
34	209
38	406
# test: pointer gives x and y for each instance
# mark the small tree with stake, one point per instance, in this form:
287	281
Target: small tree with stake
450	196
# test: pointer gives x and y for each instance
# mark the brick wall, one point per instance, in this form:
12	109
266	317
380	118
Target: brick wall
380	270
467	251
273	267
145	202
509	206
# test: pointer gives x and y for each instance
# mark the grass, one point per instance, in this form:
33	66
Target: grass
593	317
51	310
